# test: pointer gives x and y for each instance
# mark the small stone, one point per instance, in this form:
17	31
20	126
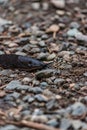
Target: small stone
78	110
77	124
35	82
53	48
58	3
25	113
53	123
85	74
51	104
35	50
6	72
59	81
1	52
65	124
13	85
26	80
42	44
20	53
36	90
60	12
73	32
45	6
36	5
45	73
39	118
25	98
23	87
15	95
81	37
43	85
41	98
8	127
4	22
31	99
74	25
44	36
51	56
42	56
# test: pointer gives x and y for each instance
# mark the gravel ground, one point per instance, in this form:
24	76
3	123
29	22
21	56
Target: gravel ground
54	98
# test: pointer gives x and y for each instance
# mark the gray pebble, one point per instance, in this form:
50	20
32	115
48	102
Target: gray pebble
23	87
59	81
44	36
74	25
35	5
85	74
25	98
51	104
15	95
31	99
36	90
65	124
53	122
41	98
1	52
73	32
51	56
9	127
45	73
78	109
13	85
42	44
43	85
42	56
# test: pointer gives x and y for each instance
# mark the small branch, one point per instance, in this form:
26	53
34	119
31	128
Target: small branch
34	125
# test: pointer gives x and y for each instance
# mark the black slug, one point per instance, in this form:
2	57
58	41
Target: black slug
12	61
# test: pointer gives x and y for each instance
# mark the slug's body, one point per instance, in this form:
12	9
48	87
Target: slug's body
12	61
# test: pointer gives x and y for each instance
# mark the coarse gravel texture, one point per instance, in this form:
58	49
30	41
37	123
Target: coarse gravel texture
55	96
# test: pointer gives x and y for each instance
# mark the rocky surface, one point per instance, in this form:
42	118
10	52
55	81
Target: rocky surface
54	98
